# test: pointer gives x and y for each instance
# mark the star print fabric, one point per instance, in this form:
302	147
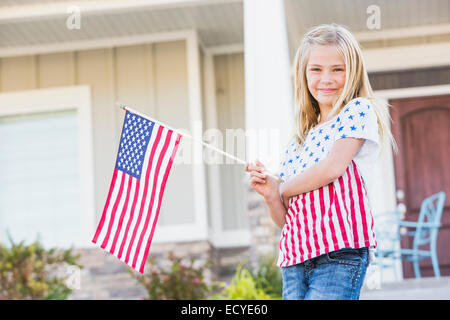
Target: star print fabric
356	120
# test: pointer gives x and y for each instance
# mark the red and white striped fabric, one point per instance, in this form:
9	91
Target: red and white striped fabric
134	199
337	215
330	218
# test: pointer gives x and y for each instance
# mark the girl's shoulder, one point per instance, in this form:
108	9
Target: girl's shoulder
359	101
357	105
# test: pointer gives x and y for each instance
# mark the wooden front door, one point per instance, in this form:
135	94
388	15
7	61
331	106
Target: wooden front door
421	128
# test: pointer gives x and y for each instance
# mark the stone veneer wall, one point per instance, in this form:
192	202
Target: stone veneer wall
265	234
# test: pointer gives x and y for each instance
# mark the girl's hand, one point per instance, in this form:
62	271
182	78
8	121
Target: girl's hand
264	184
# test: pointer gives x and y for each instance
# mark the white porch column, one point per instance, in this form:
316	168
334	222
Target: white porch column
268	107
268	84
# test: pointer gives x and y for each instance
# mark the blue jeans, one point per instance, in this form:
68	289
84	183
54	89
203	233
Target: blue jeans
337	275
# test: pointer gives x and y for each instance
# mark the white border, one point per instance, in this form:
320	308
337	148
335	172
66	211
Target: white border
76	98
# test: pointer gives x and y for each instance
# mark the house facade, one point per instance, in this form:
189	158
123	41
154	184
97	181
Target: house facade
202	66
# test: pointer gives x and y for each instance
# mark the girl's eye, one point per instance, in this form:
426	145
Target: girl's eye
318	69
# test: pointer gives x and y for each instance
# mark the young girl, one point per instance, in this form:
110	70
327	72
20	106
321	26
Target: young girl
320	201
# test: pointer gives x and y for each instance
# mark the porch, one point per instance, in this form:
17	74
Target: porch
410	289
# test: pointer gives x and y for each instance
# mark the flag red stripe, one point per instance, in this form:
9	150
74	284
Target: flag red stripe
102	220
133	206
124	210
113	212
152	198
163	186
147	176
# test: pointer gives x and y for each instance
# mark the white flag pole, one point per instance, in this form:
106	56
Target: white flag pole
127	108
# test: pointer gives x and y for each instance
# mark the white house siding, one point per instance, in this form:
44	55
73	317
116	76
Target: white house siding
151	77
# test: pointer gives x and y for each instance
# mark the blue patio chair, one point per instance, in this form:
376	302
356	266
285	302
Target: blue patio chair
387	232
426	232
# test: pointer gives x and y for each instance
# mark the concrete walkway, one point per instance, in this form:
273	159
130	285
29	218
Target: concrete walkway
410	289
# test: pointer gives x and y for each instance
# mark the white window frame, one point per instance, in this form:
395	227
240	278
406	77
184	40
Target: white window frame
77	98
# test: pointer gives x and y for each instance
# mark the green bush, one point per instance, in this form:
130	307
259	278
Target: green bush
180	282
263	283
243	287
28	271
268	277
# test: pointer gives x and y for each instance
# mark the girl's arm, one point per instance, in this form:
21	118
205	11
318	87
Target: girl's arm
277	210
324	171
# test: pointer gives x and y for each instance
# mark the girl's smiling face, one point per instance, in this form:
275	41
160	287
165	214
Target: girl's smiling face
325	74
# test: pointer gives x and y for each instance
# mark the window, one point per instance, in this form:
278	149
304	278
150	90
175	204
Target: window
43	172
39	170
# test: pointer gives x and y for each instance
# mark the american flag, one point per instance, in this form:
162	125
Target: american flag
143	163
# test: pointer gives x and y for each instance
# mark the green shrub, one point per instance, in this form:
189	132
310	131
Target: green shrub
268	277
180	282
242	287
28	271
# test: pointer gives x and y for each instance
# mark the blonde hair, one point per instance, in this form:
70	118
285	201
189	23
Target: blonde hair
307	111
